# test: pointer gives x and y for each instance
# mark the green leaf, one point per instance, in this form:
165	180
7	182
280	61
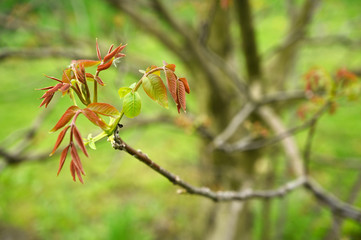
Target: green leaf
91	142
155	89
132	104
124	91
132	85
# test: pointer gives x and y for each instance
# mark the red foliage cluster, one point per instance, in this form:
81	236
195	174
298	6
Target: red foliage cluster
75	79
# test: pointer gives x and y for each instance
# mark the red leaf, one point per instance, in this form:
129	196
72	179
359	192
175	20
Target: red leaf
45	88
76	159
181	96
110	48
59	140
172	83
113	53
93	117
52	90
98	51
72	170
89	75
64	153
46	101
99	80
88	63
67	116
186	86
65	88
104	66
171	67
104	109
53	78
79	176
66	75
79	140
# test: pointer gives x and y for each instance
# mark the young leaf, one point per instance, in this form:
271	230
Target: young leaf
132	104
59	140
76	159
64	153
113	53
181	96
132	86
104	109
124	91
66	75
91	142
93	117
72	170
67	116
79	140
171	67
172	83
155	89
186	86
87	63
98	51
104	66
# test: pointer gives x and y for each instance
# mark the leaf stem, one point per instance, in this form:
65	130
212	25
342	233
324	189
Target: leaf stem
95	96
71	92
113	125
80	96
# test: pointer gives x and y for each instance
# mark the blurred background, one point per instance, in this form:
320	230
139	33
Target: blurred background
122	198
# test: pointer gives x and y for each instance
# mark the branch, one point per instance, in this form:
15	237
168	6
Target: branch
338	207
307	151
12	159
248	37
237	120
243	145
283	96
298	26
41	53
150	27
191	51
119	144
335	205
334	39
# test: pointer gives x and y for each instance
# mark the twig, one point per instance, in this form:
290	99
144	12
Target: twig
243	145
307	151
41	53
119	144
334	231
338	207
283	96
237	120
334	204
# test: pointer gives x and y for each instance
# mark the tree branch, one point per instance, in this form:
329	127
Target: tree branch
338	207
237	120
248	36
42	53
119	144
307	151
246	145
335	205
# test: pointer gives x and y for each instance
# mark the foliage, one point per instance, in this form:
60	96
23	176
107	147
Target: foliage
76	80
